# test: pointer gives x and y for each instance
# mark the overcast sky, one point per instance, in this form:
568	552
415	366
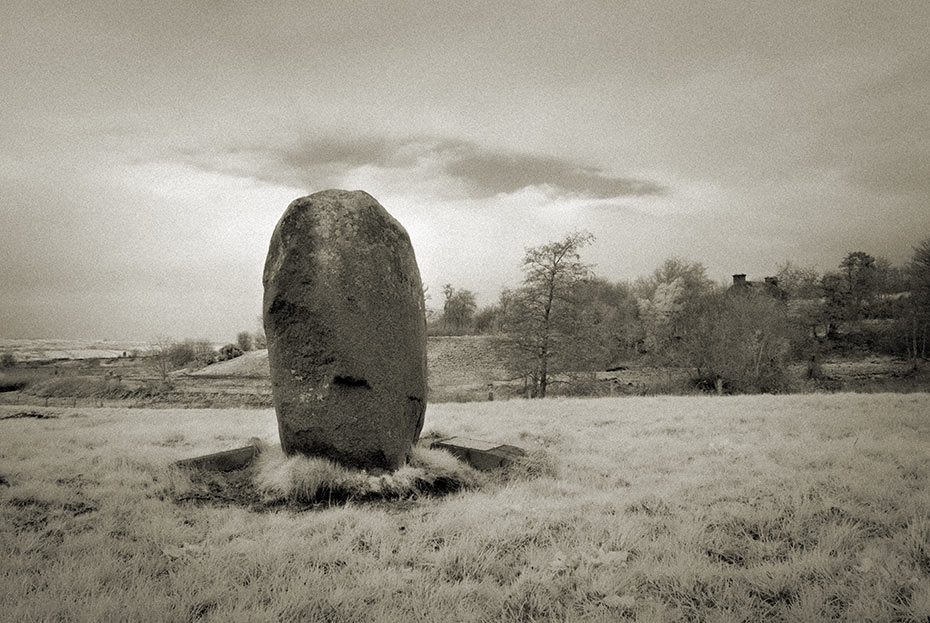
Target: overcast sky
147	149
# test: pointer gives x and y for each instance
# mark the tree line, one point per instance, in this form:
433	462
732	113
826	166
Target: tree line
563	323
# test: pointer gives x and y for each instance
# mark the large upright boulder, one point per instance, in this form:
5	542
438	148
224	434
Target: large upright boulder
344	318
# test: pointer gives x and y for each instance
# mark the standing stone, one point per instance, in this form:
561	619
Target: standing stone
346	329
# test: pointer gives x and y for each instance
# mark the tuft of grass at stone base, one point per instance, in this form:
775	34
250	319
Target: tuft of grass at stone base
309	480
275	480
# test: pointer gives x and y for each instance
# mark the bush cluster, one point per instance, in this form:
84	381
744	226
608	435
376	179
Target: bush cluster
230	351
737	342
10	383
197	352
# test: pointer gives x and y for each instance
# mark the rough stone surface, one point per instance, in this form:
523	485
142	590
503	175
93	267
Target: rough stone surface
483	455
226	461
344	319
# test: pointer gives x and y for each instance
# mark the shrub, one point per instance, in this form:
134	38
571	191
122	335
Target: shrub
230	351
244	341
167	355
180	354
886	338
744	340
7	360
205	359
13	383
487	320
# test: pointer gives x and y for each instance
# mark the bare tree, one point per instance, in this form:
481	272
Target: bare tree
542	317
159	357
799	282
918	308
690	277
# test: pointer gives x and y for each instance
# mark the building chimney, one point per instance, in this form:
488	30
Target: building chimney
739	280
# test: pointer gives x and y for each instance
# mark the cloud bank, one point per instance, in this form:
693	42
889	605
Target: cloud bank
474	171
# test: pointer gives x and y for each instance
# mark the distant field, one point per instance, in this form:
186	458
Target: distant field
33	350
460	369
761	508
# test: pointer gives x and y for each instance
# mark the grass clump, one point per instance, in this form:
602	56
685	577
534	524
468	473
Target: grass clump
275	480
309	480
537	463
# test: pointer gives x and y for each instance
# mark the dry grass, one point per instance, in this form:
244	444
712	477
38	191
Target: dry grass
80	387
763	508
300	480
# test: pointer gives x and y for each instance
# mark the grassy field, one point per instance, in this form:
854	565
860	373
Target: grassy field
752	508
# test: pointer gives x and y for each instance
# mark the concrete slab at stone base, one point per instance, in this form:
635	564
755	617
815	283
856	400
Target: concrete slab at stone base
225	461
482	455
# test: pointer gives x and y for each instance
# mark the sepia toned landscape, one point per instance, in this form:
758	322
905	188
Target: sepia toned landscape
660	499
465	311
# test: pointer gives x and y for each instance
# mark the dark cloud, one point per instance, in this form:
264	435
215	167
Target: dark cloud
320	162
491	172
313	164
348	153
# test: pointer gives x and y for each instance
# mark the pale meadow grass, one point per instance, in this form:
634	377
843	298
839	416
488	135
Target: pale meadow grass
756	508
302	480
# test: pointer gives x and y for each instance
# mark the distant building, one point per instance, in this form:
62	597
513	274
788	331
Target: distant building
768	286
